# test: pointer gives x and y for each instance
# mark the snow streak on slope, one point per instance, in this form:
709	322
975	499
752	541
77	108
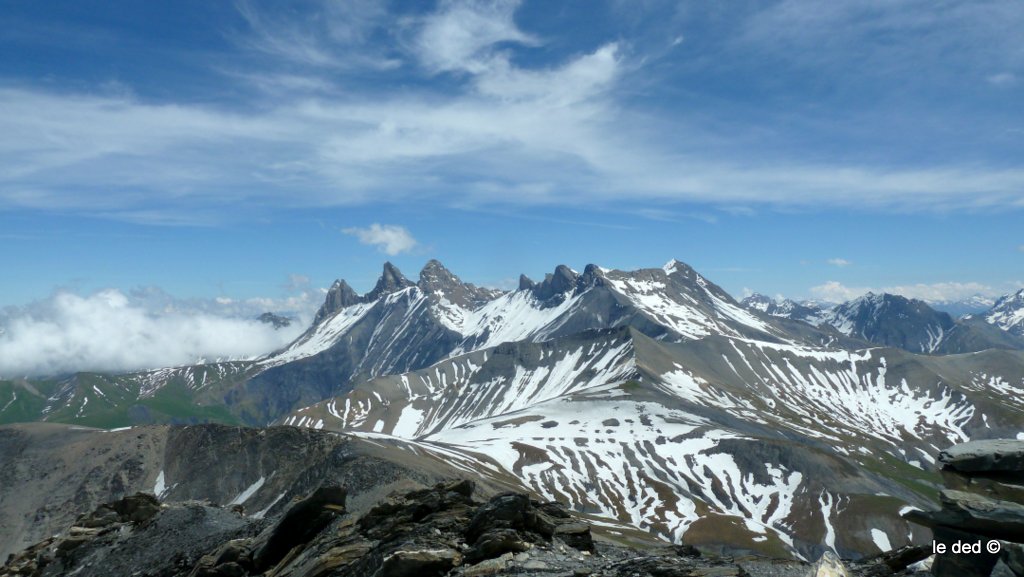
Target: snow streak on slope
985	382
839	396
658	297
195	377
637	462
321	337
476	386
515	316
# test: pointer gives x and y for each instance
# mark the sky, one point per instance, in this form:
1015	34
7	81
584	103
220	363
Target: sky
189	161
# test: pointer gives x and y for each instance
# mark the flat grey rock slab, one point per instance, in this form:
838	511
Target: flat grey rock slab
975	514
989	456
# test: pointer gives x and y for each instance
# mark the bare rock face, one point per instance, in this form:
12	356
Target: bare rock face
433	532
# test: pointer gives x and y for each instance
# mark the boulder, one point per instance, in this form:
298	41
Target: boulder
508	511
303	521
982	515
899	559
576	535
489	567
828	565
419	563
1013	557
1003	486
994	455
496	542
953	565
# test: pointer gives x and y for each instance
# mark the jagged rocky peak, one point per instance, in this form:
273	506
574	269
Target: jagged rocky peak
275	320
435	276
439	282
593	275
525	283
758	301
339	296
676	267
556	285
391	281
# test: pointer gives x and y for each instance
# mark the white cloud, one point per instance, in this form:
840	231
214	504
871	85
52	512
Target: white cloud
1002	79
501	133
461	35
113	331
834	291
1021	248
840	262
388	238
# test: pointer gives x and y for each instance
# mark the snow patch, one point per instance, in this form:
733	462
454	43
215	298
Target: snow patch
249	492
881	540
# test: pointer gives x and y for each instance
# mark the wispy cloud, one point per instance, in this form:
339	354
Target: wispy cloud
840	262
461	36
110	330
1002	79
501	133
390	239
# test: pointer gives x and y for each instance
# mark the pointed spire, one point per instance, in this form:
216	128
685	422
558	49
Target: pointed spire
391	280
435	276
339	296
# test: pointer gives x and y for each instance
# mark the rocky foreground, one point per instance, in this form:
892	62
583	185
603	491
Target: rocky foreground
437	531
982	507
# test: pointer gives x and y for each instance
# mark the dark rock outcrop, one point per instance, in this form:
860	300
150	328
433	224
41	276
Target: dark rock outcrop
989	456
979	513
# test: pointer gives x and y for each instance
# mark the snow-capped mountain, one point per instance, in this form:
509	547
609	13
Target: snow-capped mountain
648	396
807	311
893	321
721	439
960	307
1008	313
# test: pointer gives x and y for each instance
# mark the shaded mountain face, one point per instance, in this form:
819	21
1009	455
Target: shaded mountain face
892	320
912	325
52	473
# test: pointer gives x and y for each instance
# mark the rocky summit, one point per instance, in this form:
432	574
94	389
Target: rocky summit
443	530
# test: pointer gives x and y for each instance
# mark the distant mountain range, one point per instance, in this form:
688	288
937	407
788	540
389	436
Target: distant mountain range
650	397
910	324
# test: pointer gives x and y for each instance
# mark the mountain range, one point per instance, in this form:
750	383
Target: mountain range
649	398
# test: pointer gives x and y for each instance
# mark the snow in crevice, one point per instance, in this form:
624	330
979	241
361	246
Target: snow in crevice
160	487
249	491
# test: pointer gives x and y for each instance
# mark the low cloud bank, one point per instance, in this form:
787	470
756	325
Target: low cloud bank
113	331
834	291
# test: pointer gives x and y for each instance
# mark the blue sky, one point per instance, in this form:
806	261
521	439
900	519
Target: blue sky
257	150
